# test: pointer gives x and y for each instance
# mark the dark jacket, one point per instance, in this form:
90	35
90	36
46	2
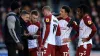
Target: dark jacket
7	37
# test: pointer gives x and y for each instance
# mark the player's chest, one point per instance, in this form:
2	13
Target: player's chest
63	24
82	25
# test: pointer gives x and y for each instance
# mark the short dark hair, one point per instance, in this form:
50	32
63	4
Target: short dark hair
84	8
14	5
47	8
23	12
35	12
66	8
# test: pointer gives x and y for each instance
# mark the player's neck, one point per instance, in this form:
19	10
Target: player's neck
48	14
65	16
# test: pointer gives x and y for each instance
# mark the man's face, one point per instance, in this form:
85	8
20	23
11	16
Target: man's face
45	12
62	12
25	17
78	13
34	17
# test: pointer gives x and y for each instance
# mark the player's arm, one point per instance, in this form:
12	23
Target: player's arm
47	30
76	28
11	26
91	25
39	33
74	25
58	33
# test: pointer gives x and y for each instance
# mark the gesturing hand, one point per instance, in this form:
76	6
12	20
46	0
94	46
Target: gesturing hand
66	40
84	40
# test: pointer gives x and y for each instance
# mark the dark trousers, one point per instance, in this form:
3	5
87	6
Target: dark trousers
24	52
11	49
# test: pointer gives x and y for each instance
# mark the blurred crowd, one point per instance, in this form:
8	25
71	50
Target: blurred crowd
55	5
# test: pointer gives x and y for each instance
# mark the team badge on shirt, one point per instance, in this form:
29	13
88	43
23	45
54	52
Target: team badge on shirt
47	20
89	22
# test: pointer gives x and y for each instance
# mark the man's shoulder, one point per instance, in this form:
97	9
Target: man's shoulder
11	18
55	19
87	20
11	14
87	17
37	23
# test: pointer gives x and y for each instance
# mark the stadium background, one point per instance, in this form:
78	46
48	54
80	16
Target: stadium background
28	5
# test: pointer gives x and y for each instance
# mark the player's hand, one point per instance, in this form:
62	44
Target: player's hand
66	40
26	34
39	48
84	40
42	46
20	46
35	36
